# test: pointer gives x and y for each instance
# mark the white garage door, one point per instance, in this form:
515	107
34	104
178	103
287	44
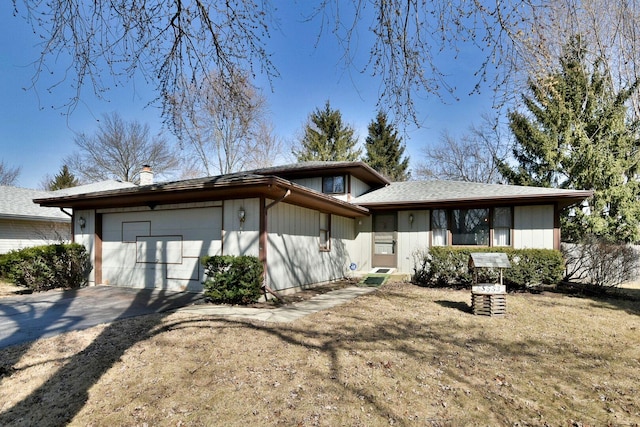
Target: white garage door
159	249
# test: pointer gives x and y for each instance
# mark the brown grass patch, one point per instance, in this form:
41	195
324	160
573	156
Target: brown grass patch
402	355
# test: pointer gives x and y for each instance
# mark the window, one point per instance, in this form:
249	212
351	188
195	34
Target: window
439	227
325	232
333	184
472	227
502	227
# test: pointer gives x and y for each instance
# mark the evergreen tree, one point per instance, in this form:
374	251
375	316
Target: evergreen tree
326	138
64	179
384	150
577	135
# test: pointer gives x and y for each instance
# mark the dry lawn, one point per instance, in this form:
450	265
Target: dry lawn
402	355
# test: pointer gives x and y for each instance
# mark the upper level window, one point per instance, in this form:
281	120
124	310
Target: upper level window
333	184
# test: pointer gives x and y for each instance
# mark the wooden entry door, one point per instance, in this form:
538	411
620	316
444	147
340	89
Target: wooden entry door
384	241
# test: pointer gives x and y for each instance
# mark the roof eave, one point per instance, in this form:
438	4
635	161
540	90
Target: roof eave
563	201
185	192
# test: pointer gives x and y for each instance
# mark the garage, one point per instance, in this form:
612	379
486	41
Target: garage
159	248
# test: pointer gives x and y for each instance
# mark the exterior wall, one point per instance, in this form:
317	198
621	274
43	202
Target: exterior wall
412	235
18	234
358	188
86	236
241	238
293	253
360	248
533	227
312	183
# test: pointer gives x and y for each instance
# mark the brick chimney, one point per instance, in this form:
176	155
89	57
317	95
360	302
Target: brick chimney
146	175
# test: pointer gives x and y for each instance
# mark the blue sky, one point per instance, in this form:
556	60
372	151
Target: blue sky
37	137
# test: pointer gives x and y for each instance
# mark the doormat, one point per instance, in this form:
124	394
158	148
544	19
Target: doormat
374	280
383	270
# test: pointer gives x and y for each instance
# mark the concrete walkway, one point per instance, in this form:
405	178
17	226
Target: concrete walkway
287	313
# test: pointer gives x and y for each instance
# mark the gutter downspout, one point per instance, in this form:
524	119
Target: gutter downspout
264	240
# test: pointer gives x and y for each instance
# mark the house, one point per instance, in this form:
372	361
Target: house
24	223
309	223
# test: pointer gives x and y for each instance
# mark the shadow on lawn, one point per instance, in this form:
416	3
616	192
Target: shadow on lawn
359	336
82	370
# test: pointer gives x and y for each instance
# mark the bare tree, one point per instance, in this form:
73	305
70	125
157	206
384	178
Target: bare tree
218	120
118	150
268	148
8	175
174	43
472	157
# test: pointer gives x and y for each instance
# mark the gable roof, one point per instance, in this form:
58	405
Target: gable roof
412	194
17	203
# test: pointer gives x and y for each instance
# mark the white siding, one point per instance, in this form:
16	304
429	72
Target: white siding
412	235
18	234
241	238
360	249
358	188
86	236
533	227
293	253
168	257
312	183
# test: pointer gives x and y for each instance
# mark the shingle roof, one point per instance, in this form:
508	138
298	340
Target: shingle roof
18	203
92	188
416	192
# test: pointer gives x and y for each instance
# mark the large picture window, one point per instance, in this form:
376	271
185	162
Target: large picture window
471	227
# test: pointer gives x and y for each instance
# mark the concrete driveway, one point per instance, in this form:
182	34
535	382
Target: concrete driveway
30	317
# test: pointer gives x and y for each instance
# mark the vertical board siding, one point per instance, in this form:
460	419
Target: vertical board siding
19	234
294	256
412	236
241	238
533	227
358	187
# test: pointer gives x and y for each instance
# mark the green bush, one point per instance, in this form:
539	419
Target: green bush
233	279
41	268
447	266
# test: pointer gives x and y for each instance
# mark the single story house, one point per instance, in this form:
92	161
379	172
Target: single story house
24	223
309	223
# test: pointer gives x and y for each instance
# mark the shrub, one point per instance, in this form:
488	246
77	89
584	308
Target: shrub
233	279
42	268
447	266
599	264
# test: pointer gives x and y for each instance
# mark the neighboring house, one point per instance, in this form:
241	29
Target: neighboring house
24	223
309	223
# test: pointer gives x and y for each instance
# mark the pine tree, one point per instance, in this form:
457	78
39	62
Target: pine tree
577	135
326	138
64	179
384	150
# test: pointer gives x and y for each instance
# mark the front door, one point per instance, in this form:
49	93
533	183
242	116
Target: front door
384	241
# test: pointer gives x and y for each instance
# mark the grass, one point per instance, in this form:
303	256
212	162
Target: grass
402	355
